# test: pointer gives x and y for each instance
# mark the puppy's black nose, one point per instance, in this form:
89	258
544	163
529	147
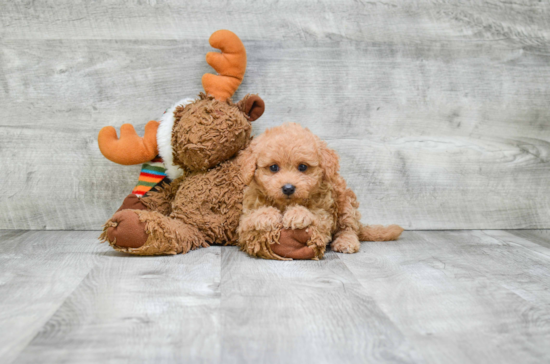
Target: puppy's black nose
288	189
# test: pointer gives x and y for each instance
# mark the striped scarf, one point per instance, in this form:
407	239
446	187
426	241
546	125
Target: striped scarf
152	173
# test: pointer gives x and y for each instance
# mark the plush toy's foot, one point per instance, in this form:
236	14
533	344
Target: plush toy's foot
293	244
132	202
125	230
283	244
143	232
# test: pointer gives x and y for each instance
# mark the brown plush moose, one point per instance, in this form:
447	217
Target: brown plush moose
197	142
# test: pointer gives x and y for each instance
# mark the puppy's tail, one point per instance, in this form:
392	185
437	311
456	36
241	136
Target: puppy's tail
379	232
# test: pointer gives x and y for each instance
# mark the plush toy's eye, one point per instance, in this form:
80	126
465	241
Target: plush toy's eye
274	168
302	167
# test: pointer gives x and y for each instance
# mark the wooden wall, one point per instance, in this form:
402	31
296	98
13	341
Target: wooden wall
439	109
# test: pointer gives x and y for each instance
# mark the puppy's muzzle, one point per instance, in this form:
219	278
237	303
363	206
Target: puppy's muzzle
288	189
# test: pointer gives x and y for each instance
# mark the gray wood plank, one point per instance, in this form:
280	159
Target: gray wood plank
438	108
448	296
312	20
462	296
425	160
39	270
298	312
541	237
137	309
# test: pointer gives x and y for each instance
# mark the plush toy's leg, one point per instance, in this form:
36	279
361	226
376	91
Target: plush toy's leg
282	244
264	233
294	244
143	232
132	202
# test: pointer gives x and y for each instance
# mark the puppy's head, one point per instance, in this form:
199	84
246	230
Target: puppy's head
288	163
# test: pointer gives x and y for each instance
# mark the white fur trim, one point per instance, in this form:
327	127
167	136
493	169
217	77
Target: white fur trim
164	139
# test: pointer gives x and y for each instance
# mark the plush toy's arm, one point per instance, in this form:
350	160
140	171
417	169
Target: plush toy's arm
130	148
161	197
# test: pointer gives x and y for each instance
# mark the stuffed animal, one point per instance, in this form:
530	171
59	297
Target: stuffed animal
190	190
294	184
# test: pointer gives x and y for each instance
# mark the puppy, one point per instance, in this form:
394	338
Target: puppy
293	184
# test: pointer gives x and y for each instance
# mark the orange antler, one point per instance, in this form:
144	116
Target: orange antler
130	148
230	65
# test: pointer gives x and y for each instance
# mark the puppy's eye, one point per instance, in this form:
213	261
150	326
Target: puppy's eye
302	167
274	168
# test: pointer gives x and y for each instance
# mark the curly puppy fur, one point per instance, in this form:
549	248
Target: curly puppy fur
321	201
204	205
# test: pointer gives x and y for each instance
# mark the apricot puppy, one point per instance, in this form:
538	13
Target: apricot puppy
293	183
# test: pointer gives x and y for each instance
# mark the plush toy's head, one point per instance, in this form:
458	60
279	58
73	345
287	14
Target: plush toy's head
200	134
212	129
208	132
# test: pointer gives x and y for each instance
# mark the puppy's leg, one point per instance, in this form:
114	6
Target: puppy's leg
265	218
258	229
346	241
299	218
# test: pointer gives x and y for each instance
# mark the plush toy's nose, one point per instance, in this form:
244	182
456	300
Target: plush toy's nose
289	189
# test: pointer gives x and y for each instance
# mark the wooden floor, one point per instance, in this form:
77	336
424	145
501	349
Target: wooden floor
432	297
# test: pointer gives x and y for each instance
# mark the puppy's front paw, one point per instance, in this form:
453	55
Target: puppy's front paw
297	217
264	219
346	242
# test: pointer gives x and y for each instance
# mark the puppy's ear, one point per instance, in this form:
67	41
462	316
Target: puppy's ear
253	106
247	162
330	162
